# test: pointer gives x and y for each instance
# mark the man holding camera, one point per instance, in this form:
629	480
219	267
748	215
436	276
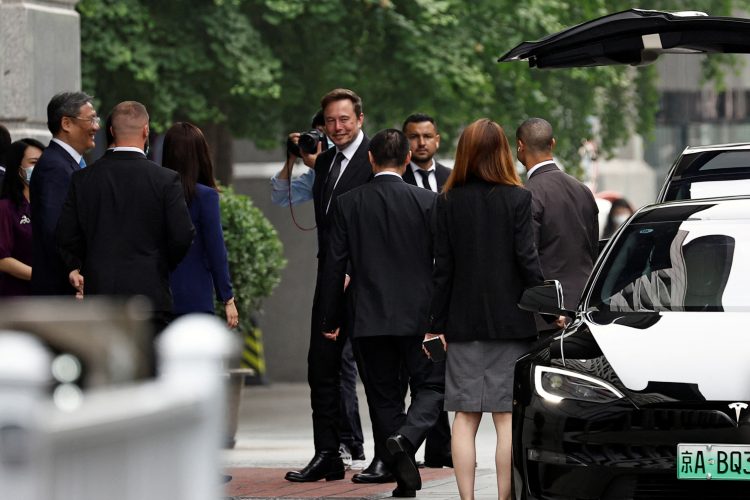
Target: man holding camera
383	232
335	171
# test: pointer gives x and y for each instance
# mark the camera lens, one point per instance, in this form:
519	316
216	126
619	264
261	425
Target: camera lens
308	141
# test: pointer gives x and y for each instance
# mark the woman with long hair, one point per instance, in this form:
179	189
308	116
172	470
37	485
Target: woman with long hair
15	217
205	268
484	258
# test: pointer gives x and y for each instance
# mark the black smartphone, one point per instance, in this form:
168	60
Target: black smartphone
435	347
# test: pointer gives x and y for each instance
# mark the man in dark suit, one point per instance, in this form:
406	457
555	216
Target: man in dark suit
125	223
73	122
424	141
382	231
564	216
337	170
423	171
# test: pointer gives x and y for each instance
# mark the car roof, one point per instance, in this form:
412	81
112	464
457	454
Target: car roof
737	146
634	37
723	208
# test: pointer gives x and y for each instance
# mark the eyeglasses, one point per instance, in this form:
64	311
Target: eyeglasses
93	121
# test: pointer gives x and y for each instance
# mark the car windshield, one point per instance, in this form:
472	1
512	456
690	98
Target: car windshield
688	265
709	174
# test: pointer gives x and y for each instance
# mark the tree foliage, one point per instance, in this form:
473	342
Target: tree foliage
259	67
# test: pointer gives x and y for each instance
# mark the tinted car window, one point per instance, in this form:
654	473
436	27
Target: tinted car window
710	174
692	265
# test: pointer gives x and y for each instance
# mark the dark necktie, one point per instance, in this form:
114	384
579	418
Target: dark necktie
333	176
425	178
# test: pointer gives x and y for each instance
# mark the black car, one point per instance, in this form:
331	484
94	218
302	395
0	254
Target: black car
708	172
645	394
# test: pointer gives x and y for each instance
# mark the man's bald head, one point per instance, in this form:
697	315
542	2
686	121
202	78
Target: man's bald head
129	121
536	135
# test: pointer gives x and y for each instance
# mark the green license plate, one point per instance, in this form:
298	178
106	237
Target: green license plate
713	461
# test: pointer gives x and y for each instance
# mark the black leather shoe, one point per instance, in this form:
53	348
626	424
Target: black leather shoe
401	492
438	461
324	465
376	472
405	468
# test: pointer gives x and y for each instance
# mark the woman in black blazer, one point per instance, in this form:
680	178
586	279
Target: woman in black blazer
484	258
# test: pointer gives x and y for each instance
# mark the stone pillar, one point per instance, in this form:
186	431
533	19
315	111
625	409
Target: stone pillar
40	55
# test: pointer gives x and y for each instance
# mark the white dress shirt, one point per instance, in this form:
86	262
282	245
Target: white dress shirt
418	178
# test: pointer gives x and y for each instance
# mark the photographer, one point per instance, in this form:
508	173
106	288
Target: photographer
301	187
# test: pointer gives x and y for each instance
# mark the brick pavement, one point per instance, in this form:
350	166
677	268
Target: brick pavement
261	482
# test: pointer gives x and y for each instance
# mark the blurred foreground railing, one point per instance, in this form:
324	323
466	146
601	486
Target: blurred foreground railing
154	439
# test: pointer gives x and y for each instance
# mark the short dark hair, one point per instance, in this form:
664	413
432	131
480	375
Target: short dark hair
12	185
536	134
318	119
108	130
64	104
389	148
418	118
340	95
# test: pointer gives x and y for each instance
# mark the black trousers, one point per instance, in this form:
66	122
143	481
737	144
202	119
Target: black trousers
350	423
437	444
380	360
324	375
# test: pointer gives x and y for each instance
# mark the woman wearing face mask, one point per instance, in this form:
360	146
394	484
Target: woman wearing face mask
618	214
15	217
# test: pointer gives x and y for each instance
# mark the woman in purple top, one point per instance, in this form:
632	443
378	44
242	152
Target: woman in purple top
15	218
205	268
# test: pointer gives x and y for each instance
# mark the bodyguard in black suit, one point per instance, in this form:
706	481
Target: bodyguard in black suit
564	215
125	223
337	171
424	140
382	231
72	120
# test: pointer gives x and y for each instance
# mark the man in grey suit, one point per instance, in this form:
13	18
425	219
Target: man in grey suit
564	215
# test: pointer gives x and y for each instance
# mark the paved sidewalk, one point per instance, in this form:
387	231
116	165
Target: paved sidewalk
275	435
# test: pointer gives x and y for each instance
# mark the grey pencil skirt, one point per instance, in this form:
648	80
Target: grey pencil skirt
479	374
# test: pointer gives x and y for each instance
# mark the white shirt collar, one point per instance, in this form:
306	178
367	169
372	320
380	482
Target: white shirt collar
536	167
349	151
415	167
387	172
129	148
67	147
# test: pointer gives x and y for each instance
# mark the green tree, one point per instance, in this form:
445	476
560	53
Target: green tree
257	68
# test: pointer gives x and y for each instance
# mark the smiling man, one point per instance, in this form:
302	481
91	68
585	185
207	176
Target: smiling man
337	170
72	120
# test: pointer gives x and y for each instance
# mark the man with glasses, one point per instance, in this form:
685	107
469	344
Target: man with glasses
72	120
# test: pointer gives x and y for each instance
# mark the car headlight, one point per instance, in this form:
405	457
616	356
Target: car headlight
555	384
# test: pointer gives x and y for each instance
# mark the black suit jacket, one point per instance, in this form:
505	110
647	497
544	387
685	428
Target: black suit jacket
125	225
357	172
484	259
48	188
441	175
566	229
384	229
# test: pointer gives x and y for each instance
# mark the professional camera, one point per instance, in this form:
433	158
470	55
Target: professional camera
308	142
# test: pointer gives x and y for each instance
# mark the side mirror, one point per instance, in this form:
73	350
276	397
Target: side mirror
545	299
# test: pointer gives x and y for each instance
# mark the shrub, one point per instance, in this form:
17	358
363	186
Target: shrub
256	255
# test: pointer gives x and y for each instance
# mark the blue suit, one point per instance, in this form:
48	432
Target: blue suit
49	188
205	267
